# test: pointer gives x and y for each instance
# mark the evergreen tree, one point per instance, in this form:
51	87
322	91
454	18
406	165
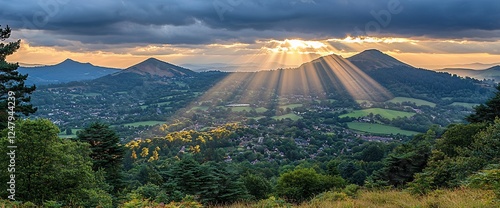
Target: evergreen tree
487	112
107	153
11	80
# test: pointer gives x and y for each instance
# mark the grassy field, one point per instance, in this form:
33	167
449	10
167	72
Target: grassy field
386	113
291	106
412	100
261	110
467	105
290	116
378	128
396	199
144	123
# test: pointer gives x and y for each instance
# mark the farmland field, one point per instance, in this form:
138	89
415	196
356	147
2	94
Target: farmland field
144	123
386	113
378	128
240	109
290	116
418	102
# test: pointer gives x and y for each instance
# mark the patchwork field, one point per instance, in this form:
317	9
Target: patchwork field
290	116
418	102
386	113
144	123
379	128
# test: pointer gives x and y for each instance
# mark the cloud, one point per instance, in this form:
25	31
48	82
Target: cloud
72	24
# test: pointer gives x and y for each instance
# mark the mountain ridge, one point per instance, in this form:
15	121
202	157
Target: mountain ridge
66	71
155	67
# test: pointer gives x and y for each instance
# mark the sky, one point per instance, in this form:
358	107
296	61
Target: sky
424	33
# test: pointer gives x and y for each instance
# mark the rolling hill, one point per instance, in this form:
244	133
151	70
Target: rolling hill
155	67
375	59
66	71
489	73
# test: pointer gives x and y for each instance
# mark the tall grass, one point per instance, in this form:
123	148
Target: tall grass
457	198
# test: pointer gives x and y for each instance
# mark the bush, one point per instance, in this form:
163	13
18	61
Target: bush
486	179
303	183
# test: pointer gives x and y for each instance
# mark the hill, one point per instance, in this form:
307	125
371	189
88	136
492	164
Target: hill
155	67
374	59
489	73
66	71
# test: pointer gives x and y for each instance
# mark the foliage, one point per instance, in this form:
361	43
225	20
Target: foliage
257	186
303	183
49	168
106	152
408	159
11	80
486	179
487	112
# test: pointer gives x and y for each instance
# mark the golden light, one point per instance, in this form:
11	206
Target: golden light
296	46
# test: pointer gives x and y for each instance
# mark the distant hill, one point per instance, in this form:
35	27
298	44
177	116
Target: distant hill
489	73
155	67
374	59
66	71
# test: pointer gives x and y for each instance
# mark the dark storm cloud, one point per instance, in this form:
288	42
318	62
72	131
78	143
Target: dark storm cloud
208	21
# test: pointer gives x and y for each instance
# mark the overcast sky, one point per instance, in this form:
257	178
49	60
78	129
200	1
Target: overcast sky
120	33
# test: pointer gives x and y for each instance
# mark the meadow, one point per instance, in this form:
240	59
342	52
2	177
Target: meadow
418	102
379	128
386	113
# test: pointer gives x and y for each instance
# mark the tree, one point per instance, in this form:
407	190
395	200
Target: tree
50	168
303	183
257	186
107	153
12	81
487	112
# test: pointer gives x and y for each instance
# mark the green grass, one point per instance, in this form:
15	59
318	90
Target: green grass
290	116
467	105
418	102
291	106
144	123
379	128
261	110
386	113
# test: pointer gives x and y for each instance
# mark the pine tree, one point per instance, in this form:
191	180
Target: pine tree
11	80
107	153
487	112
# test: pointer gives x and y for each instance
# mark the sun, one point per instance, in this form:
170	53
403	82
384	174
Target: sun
296	46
